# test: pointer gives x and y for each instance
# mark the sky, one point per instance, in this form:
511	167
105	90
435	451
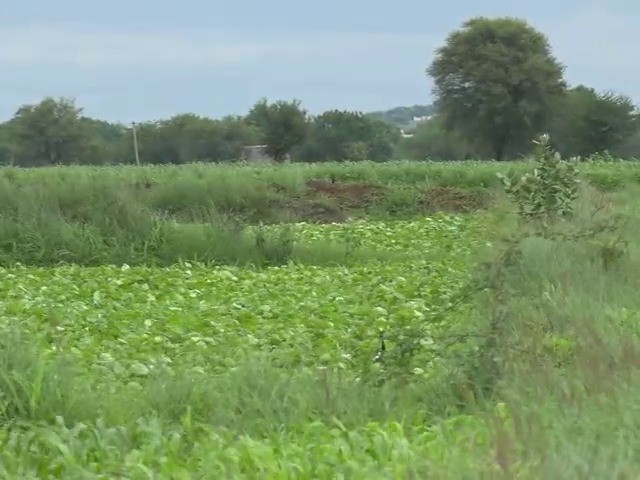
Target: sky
150	59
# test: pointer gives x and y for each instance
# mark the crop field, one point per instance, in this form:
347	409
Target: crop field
127	331
158	339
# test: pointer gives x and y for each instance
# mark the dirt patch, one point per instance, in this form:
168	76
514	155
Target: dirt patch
325	201
303	210
350	195
276	187
451	199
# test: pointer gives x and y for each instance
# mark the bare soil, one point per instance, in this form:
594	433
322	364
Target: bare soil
348	195
451	199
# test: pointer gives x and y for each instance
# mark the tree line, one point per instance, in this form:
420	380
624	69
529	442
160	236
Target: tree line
496	82
55	132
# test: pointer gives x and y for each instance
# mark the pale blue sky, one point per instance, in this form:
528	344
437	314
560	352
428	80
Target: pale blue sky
140	60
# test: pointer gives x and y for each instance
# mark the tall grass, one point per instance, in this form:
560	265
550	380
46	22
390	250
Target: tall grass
97	215
60	421
566	349
254	398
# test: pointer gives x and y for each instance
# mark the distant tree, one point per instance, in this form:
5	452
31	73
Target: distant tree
495	82
587	122
237	133
630	148
188	138
283	126
343	135
108	143
432	141
157	143
49	133
6	146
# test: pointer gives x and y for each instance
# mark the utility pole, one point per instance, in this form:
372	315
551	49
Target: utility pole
135	143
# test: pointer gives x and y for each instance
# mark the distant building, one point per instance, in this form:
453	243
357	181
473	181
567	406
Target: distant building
405	134
423	118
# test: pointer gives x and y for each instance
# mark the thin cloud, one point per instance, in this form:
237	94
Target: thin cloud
597	39
51	46
45	45
598	48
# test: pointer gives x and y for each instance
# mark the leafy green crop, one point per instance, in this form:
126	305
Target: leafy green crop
228	372
130	320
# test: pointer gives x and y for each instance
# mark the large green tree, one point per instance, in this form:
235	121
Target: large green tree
495	81
344	135
55	132
50	133
587	122
283	124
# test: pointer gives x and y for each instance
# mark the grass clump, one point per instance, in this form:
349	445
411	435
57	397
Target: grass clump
562	338
143	215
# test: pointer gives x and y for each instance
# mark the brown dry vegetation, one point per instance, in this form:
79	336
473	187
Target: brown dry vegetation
354	195
451	199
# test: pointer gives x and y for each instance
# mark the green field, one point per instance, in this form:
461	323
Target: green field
206	322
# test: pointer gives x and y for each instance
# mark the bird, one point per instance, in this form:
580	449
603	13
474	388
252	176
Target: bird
380	355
